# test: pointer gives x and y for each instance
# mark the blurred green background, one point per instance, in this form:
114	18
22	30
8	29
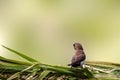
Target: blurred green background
46	29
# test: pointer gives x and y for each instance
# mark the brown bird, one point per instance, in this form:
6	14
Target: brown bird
79	56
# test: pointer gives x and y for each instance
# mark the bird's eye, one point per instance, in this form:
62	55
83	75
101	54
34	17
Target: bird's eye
74	45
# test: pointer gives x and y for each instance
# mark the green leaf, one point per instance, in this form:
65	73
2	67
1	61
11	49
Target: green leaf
103	64
88	73
44	74
21	54
14	76
2	59
12	64
55	76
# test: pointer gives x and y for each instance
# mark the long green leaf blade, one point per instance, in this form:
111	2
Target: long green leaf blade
21	54
5	60
14	76
43	74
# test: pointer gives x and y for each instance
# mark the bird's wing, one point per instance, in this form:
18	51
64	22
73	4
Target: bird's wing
73	58
78	58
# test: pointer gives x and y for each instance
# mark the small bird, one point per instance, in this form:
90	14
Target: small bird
79	56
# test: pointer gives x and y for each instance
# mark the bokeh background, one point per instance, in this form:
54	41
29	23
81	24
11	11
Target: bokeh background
46	29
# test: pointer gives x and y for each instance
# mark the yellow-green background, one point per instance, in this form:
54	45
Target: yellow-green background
46	29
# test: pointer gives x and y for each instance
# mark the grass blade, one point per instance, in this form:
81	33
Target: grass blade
14	76
5	60
43	74
21	54
106	64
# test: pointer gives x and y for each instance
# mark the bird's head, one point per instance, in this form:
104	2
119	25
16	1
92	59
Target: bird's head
77	46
